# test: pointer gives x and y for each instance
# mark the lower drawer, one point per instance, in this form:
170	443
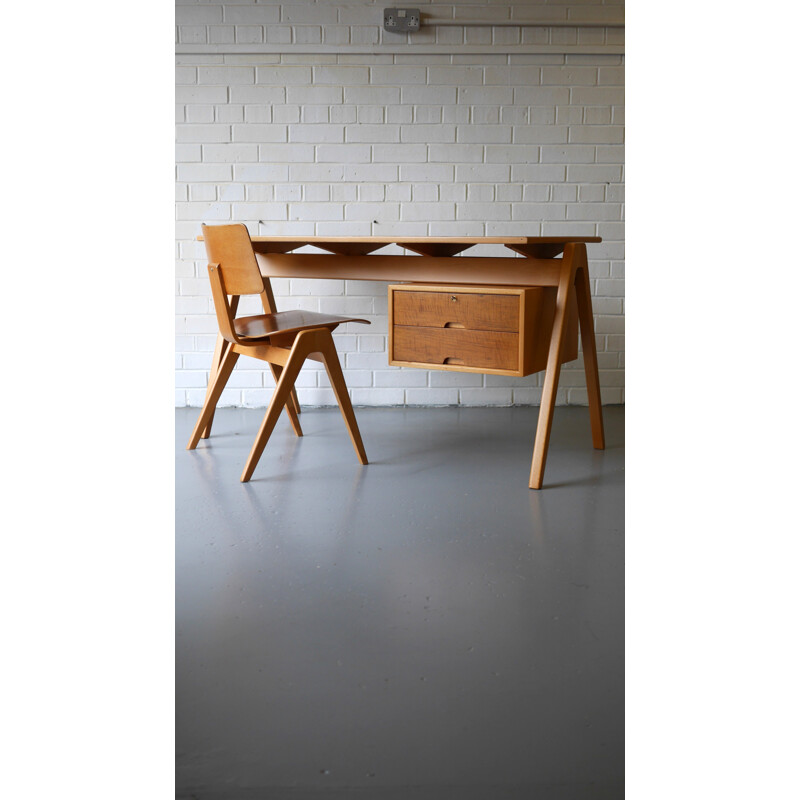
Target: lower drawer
456	347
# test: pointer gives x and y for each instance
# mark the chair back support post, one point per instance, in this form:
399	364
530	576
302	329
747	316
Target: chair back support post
221	304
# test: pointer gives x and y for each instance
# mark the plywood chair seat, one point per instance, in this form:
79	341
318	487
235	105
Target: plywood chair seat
264	325
284	339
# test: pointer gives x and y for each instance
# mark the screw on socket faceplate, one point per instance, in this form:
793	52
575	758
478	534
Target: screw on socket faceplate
401	20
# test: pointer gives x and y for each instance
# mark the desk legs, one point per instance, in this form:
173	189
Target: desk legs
552	374
586	321
574	277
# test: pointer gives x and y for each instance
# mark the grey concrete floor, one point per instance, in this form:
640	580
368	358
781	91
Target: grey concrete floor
424	627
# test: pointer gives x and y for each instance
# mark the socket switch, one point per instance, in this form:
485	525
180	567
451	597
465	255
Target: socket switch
401	20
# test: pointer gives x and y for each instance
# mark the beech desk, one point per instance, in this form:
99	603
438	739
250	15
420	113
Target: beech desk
502	315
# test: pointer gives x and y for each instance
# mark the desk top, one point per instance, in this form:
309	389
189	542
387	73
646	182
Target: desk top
284	244
544	247
399	240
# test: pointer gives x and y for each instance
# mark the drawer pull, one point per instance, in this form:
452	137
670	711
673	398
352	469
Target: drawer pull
454	325
453	298
453	361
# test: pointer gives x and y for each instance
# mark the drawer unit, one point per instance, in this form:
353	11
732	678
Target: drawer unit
496	330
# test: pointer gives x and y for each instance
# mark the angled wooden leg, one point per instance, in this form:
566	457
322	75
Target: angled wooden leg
294	400
334	370
293	406
290	409
212	398
219	352
279	398
586	319
545	423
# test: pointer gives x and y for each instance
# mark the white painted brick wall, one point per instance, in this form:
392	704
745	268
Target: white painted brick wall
303	131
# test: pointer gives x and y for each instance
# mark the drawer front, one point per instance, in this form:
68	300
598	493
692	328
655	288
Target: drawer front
477	312
456	347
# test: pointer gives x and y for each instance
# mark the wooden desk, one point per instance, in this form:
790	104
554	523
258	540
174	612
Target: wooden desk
566	278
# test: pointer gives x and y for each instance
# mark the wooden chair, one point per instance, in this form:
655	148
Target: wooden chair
283	339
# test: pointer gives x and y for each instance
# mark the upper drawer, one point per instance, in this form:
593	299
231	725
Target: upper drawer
477	312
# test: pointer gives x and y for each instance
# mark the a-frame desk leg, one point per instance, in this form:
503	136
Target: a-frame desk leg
586	321
574	277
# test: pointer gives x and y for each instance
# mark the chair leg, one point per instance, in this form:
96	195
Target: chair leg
290	409
285	383
219	354
334	370
212	397
295	401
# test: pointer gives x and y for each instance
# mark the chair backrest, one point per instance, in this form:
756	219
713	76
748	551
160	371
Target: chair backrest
232	270
231	248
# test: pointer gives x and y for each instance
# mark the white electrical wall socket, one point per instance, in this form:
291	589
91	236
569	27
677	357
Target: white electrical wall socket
401	20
